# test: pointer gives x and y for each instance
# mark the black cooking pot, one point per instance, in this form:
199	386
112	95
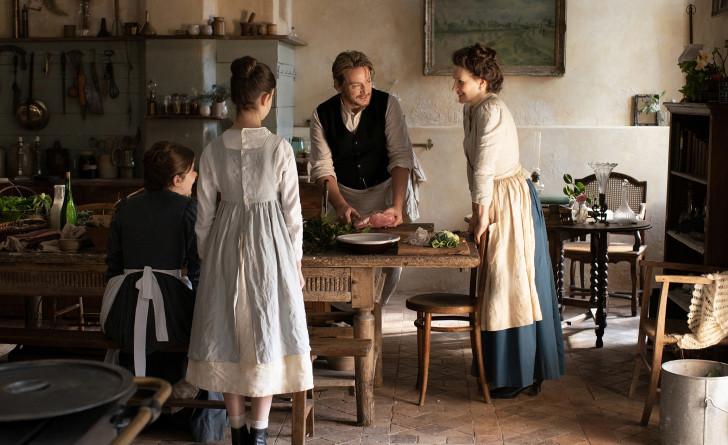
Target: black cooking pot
63	402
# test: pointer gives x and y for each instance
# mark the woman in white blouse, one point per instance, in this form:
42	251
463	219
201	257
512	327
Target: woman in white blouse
522	340
249	335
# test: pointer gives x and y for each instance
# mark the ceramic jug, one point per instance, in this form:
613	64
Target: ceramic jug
107	168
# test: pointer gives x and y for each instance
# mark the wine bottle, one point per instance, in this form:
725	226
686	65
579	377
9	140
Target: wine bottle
68	211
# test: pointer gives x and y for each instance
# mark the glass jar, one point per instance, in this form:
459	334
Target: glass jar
218	26
176	104
185	104
166	104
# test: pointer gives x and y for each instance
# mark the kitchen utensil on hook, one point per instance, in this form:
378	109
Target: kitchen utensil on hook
15	87
113	88
46	64
33	114
93	89
63	81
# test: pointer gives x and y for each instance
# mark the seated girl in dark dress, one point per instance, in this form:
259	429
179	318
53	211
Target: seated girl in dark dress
148	303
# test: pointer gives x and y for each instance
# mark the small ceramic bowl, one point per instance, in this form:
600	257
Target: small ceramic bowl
69	244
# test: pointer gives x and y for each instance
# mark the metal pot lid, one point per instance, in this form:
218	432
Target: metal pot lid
49	388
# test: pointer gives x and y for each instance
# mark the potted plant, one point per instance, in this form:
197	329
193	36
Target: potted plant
576	192
705	79
652	105
205	101
220	93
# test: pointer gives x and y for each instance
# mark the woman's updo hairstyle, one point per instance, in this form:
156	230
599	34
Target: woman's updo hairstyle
249	80
163	162
481	62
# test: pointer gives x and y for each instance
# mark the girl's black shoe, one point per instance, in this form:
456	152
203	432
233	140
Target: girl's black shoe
258	437
240	436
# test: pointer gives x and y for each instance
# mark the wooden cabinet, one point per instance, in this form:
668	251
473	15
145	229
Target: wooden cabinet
697	184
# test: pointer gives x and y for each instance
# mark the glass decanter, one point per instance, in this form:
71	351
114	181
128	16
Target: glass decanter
624	213
602	170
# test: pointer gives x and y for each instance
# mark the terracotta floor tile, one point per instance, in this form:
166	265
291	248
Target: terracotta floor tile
587	406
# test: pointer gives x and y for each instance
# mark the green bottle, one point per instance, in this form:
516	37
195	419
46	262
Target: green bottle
68	209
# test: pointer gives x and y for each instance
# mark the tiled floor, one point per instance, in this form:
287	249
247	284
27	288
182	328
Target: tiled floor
587	406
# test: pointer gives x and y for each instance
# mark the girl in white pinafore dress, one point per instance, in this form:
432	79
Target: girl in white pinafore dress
249	335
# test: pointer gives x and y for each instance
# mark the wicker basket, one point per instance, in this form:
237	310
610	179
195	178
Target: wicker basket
99	236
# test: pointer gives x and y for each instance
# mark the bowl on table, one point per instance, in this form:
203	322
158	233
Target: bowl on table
368	243
69	245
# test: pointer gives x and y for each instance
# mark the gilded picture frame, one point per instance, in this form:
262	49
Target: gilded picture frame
528	35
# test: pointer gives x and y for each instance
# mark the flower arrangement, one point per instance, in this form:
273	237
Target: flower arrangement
701	72
575	191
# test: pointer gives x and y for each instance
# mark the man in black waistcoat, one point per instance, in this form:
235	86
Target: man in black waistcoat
360	146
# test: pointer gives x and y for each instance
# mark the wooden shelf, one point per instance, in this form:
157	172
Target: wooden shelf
295	41
184	117
688	241
689	177
89	39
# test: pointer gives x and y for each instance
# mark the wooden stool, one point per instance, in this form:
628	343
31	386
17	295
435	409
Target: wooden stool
457	307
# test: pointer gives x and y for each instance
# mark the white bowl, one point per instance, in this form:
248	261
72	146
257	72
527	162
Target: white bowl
368	242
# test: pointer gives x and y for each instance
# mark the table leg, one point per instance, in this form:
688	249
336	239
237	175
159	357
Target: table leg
602	260
379	372
364	327
363	301
556	252
33	312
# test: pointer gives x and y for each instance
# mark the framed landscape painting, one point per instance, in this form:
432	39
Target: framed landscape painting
528	35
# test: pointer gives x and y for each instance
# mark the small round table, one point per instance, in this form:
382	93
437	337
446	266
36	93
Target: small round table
599	235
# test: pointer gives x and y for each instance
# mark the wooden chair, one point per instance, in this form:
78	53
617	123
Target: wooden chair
458	307
619	251
660	330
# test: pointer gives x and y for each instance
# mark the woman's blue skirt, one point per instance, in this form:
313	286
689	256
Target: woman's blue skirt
516	357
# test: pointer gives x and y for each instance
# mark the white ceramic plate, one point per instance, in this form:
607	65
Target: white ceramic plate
368	239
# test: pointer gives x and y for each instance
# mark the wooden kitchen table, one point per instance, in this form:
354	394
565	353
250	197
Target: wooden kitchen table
342	277
336	276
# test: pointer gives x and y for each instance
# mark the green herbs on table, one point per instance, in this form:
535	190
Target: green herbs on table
444	238
319	234
16	207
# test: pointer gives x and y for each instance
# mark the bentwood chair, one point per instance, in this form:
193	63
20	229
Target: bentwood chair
450	307
579	252
660	330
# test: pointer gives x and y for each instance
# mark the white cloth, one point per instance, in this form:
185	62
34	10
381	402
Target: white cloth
497	182
491	145
249	314
708	316
511	299
209	176
290	373
149	290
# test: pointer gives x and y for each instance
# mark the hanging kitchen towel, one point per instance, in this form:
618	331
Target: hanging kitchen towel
708	316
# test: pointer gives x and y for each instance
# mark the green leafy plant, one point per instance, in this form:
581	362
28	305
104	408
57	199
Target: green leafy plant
15	207
319	234
218	93
575	191
652	105
700	71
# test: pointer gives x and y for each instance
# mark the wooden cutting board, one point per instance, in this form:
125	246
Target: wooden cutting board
407	230
408	249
